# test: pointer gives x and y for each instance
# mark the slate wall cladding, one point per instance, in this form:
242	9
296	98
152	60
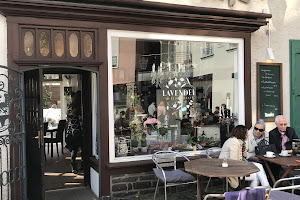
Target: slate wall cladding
142	186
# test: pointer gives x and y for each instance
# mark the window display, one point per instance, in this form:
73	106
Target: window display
171	94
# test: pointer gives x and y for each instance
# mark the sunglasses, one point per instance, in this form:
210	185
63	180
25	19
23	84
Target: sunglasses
260	129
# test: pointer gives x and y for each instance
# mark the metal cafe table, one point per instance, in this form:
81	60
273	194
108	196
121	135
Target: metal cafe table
212	167
289	162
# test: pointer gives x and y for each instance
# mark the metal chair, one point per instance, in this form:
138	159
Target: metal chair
214	152
174	177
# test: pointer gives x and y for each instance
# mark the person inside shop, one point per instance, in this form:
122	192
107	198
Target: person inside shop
152	108
281	137
256	135
121	122
161	112
234	148
74	132
52	117
174	118
217	109
216	117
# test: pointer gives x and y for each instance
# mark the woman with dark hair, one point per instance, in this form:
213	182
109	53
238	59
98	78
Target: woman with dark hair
234	148
74	132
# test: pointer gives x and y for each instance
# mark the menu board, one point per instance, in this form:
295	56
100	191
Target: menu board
269	91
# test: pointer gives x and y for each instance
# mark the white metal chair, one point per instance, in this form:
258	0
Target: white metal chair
173	177
214	152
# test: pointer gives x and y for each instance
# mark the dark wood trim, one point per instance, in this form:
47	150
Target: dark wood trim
247	81
87	121
139	13
56	62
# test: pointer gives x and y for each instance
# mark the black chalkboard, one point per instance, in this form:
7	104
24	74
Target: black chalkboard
269	91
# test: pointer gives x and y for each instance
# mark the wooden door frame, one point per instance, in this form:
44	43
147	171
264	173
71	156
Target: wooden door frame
86	116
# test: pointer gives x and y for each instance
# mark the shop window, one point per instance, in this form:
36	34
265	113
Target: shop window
29	43
73	42
171	93
59	44
44	43
87	45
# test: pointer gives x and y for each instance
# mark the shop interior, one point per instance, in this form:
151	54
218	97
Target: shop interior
57	90
192	86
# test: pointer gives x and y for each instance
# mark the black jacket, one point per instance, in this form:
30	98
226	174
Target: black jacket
275	138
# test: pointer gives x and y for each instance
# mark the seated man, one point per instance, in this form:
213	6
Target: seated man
256	135
281	137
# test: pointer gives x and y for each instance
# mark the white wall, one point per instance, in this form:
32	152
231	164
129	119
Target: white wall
3	40
3	61
284	26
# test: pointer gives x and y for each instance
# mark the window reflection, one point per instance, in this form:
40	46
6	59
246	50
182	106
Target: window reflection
28	43
73	44
171	94
59	44
44	43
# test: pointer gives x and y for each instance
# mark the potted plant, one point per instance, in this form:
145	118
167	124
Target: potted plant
149	150
191	143
143	144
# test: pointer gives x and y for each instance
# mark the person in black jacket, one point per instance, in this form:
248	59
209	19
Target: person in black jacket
282	137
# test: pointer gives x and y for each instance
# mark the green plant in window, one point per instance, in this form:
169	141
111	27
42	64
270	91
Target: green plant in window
191	140
134	143
47	97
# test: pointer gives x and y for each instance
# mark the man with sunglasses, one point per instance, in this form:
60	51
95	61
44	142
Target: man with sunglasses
256	135
282	137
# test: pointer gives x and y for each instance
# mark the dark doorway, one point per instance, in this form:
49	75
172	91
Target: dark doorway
49	164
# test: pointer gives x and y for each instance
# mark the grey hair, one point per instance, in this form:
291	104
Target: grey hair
261	122
279	117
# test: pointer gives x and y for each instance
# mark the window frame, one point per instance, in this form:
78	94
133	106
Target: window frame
163	36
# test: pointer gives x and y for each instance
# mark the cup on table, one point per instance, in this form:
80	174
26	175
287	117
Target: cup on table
284	153
269	154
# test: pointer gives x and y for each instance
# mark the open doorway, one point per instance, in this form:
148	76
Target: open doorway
58	92
48	97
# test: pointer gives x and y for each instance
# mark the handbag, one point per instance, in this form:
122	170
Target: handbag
264	146
69	141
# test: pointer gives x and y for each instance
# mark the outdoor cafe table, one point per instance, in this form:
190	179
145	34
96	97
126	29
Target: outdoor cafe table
212	167
289	162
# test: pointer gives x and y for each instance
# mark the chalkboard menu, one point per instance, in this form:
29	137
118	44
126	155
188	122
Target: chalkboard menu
269	91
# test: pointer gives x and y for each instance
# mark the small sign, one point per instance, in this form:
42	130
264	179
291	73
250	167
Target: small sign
115	61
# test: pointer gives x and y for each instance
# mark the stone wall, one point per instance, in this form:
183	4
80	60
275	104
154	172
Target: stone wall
142	186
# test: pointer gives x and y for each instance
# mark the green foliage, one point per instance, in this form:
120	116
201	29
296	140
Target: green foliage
134	143
191	140
203	139
47	97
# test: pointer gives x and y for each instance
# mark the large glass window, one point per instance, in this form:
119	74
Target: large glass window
171	92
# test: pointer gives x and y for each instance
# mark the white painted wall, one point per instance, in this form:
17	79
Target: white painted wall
3	40
3	61
284	26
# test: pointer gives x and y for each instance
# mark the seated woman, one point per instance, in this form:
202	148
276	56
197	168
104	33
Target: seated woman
256	135
233	149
